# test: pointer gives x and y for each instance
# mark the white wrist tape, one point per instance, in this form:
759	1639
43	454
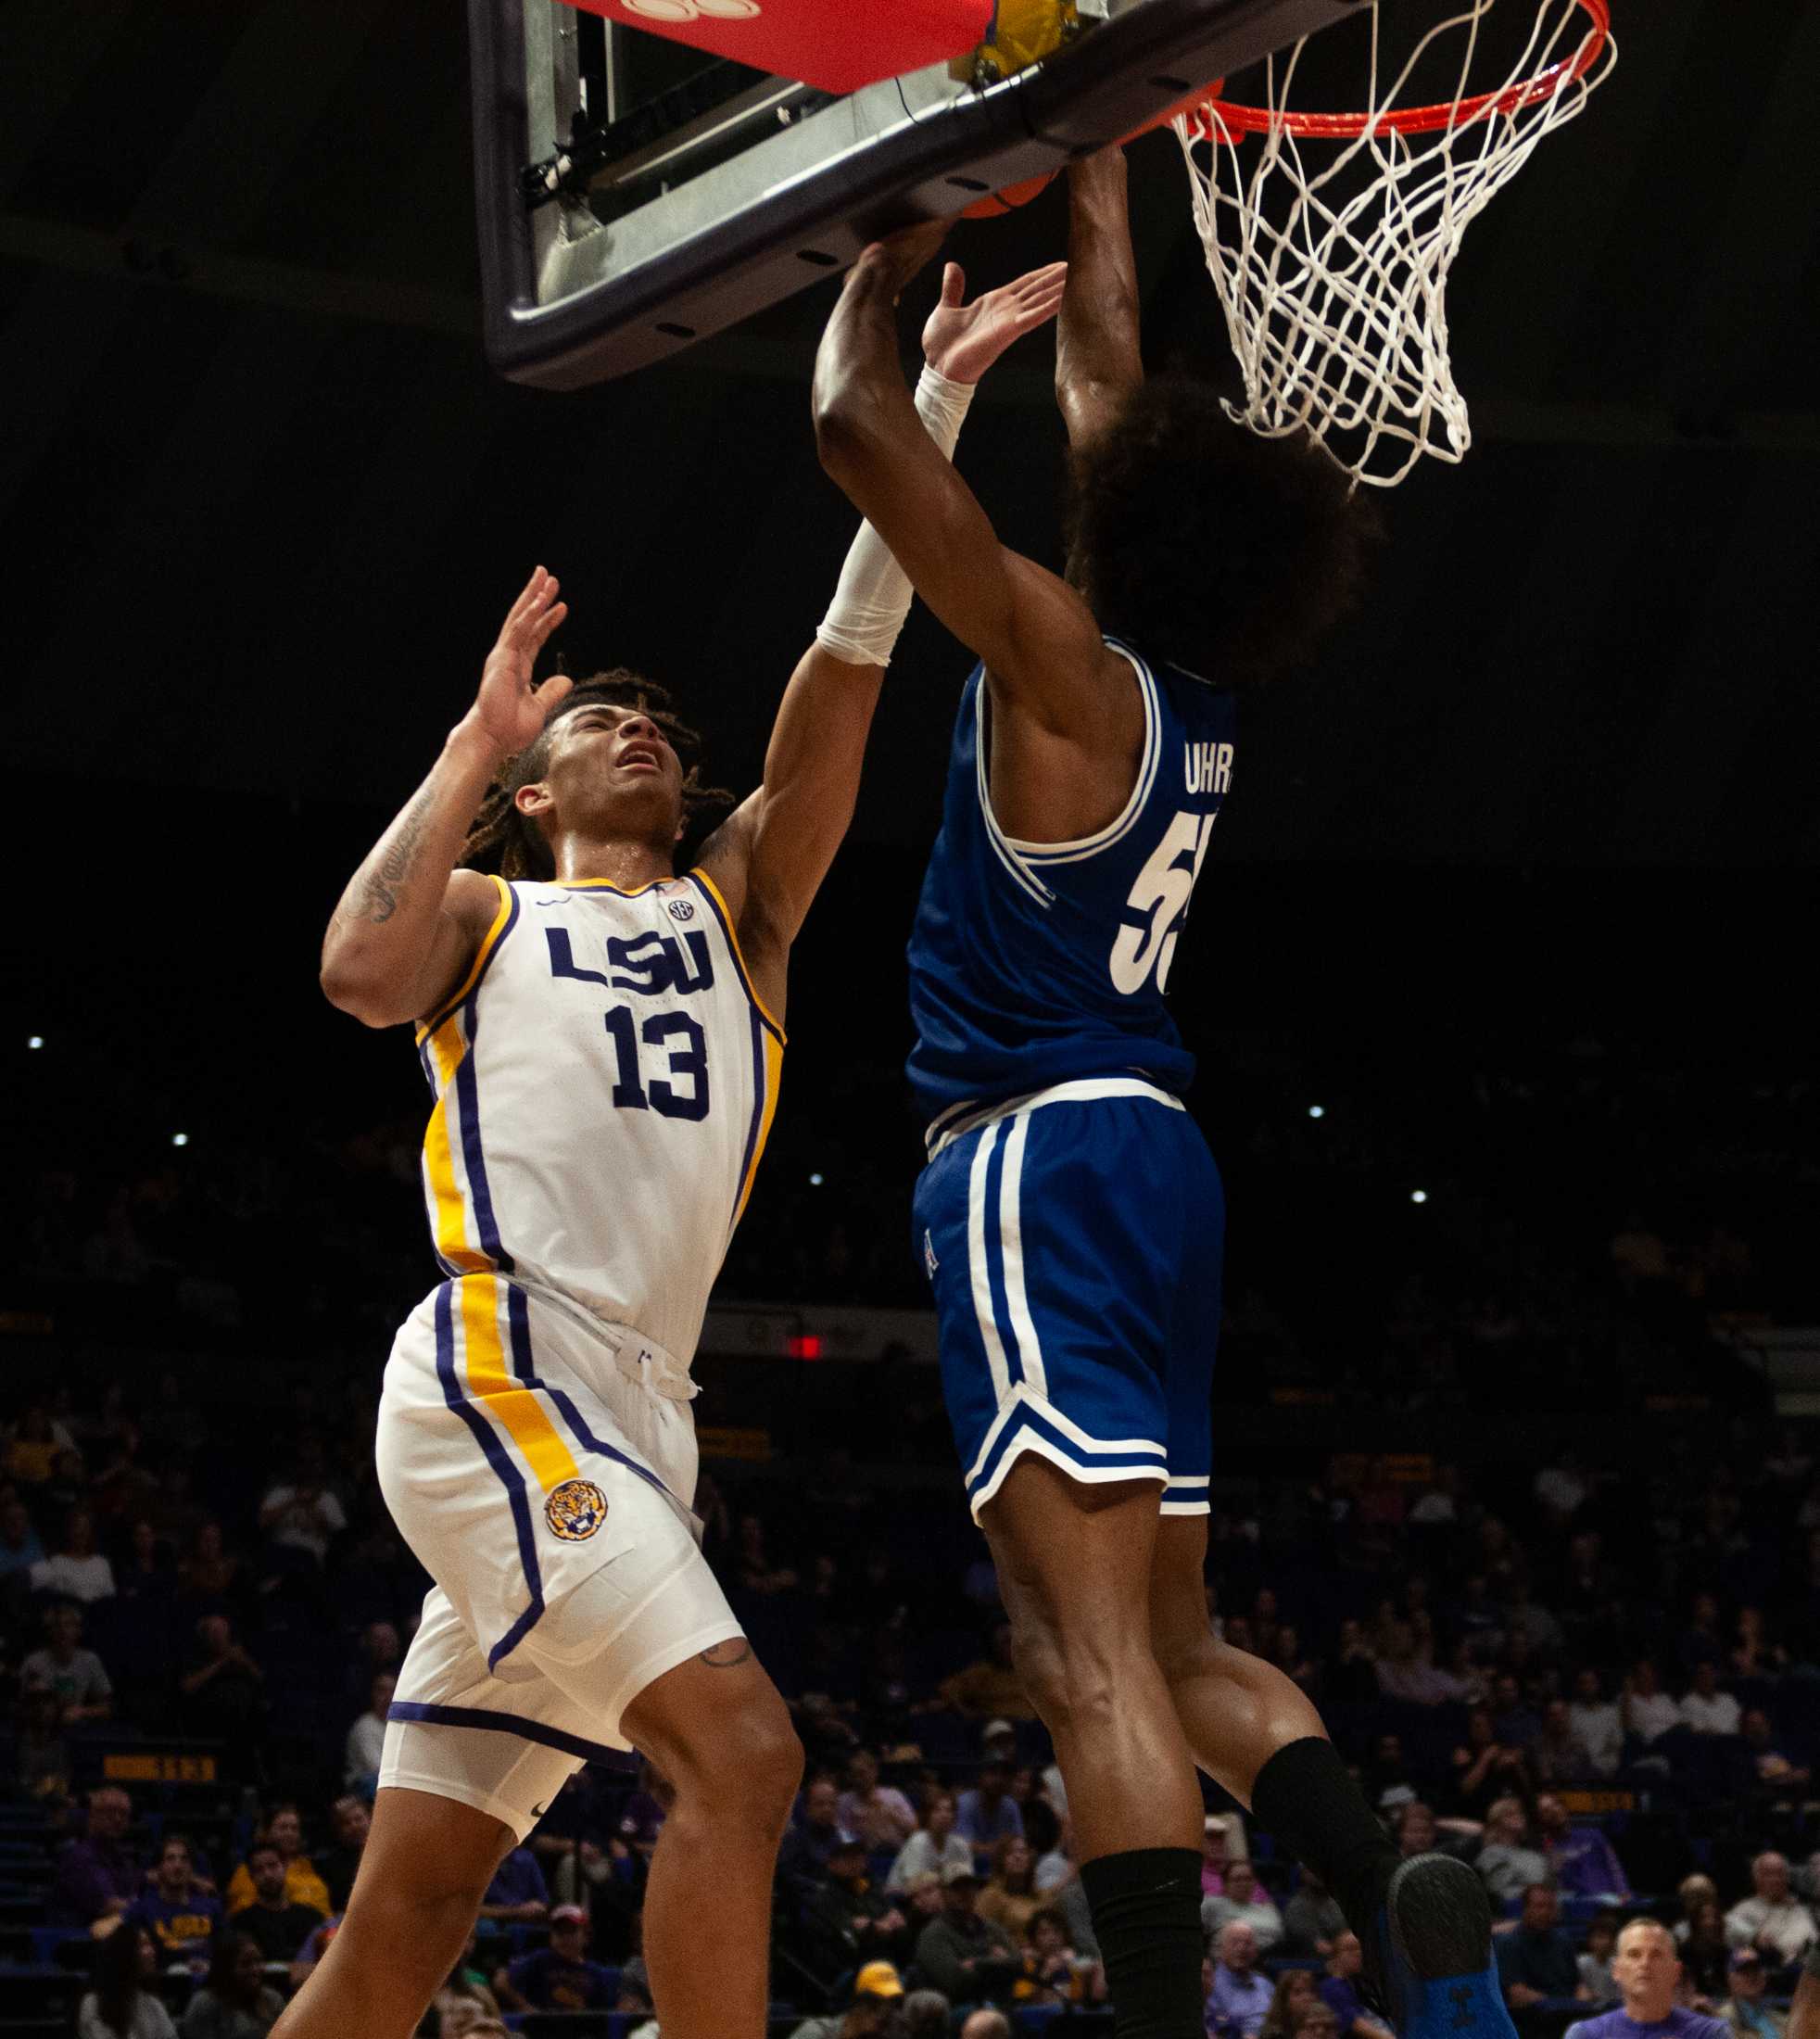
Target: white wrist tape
872	596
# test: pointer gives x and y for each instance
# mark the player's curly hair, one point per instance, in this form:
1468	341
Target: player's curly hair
1221	551
503	840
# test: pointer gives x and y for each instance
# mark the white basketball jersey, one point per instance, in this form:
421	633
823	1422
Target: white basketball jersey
604	1081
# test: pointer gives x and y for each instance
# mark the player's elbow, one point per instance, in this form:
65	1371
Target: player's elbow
358	995
846	419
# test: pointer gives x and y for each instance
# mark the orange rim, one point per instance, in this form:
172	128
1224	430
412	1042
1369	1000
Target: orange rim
1237	119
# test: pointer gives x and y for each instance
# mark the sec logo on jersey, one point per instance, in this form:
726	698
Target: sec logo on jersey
680	909
576	1510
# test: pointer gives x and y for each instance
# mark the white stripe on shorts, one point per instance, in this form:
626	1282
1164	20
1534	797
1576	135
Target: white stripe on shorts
1011	1244
976	1262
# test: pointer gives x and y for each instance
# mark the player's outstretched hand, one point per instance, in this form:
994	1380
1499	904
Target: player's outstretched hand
508	707
962	341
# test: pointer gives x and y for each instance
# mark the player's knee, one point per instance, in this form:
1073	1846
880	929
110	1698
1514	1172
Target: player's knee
752	1767
1071	1674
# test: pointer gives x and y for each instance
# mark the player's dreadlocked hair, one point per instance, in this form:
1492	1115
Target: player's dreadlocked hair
1224	552
502	840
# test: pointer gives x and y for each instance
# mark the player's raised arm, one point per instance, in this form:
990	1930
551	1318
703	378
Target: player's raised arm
1097	363
1037	636
408	924
777	850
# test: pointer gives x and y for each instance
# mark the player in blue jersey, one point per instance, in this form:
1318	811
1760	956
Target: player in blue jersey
1070	1217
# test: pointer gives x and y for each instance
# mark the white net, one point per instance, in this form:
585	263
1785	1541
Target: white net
1331	249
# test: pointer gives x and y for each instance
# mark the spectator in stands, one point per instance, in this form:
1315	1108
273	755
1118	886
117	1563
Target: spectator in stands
1648	1975
1010	1898
1216	1848
518	1894
1646	1710
1484	1769
1296	1990
1775	1774
283	1829
1054	1972
1517	1723
753	1565
1506	1863
122	2004
1706	1709
366	1738
1746	2010
98	1876
1594	1719
1754	1654
560	1976
922	2015
1537	1961
1706	1951
75	1677
960	1953
351	1823
1690	1892
274	1920
1415	1830
19	1547
1350	1676
209	1578
878	1813
1597	1981
236	2002
811	1839
1245	1900
145	1574
1241	1996
988	1813
1339	1991
223	1690
1700	1641
991	1685
77	1571
302	1516
1312	1920
1558	1755
875	1988
181	1917
985	2024
934	1846
1772	1918
464	1998
1581	1860
846	1920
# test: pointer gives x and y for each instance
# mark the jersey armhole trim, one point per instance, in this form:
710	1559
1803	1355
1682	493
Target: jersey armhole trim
1148	760
717	905
489	942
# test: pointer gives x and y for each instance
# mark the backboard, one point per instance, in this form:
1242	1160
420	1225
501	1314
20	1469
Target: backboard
627	209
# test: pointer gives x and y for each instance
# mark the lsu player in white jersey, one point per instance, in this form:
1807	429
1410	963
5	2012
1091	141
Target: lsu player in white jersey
604	1038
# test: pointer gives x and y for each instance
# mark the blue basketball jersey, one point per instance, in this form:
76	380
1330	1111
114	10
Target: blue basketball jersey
1036	963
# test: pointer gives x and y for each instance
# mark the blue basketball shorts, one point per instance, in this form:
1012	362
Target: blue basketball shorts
1074	1241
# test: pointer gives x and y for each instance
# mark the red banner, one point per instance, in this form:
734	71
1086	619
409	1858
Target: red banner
833	44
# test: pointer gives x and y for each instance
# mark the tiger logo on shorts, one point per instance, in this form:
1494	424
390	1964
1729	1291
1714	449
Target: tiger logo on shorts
576	1510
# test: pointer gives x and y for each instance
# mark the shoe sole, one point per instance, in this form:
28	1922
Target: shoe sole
1440	1918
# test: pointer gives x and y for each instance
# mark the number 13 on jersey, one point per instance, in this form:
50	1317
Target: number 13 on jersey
1159	904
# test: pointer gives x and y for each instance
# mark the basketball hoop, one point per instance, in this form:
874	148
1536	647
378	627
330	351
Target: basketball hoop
1331	263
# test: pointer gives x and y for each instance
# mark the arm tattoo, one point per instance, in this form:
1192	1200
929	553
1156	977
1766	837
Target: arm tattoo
725	1656
380	889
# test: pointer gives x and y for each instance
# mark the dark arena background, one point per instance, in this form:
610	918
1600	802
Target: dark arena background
1494	975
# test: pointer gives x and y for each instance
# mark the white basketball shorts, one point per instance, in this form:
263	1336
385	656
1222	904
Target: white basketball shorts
541	1464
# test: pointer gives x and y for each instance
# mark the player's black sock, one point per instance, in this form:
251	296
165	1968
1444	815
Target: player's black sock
1305	1798
1146	1909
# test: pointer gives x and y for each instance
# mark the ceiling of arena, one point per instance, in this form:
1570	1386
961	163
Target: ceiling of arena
263	503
